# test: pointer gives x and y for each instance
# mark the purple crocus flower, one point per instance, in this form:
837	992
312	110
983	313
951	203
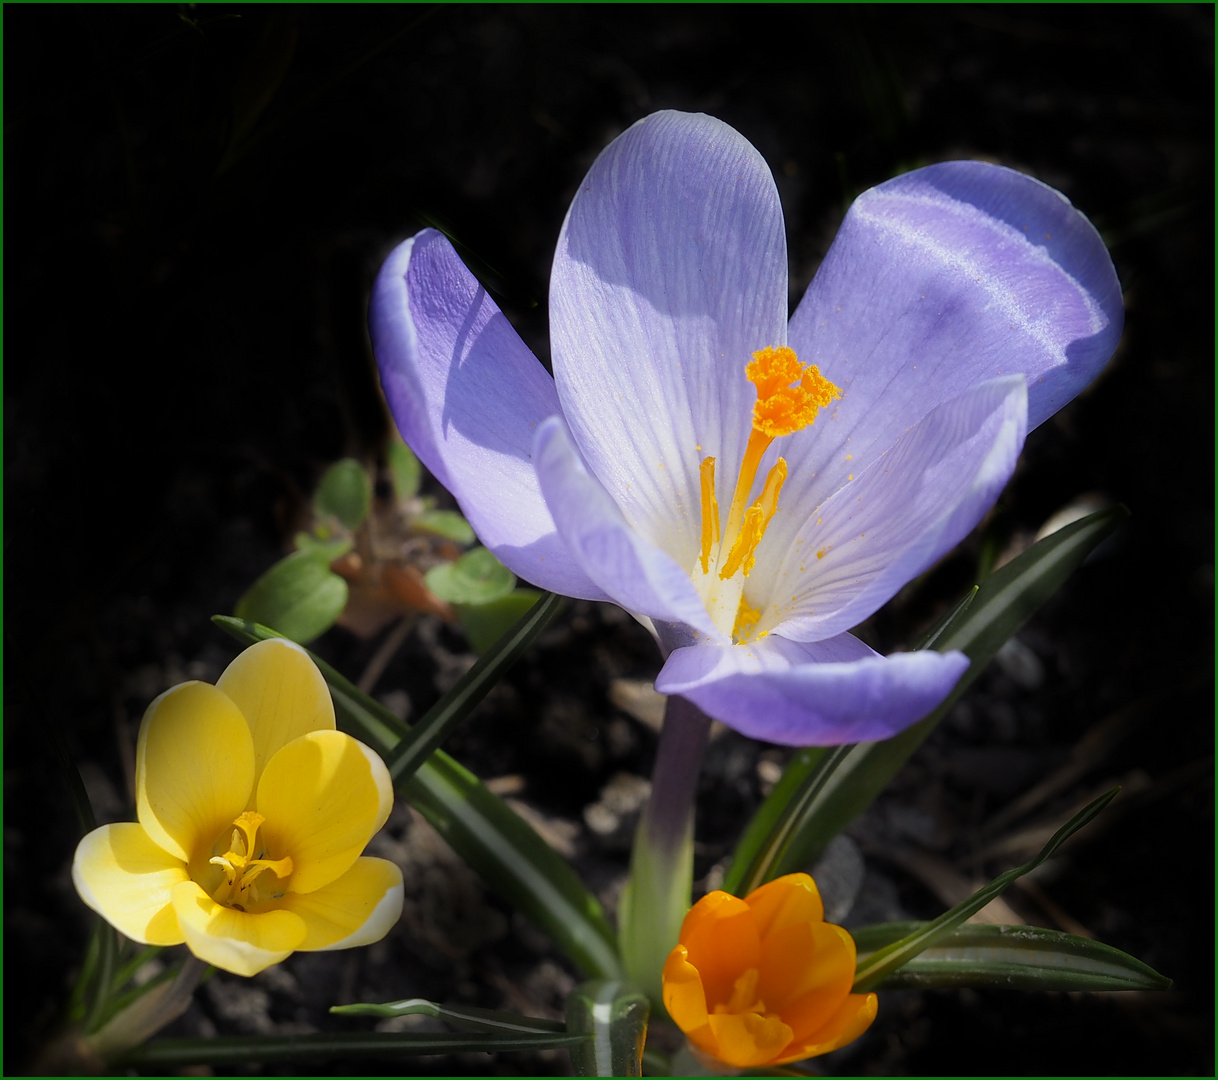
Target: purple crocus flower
848	449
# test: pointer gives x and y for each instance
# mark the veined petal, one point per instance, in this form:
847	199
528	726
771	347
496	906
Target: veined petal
281	694
940	279
237	941
821	693
670	272
467	394
194	767
630	569
910	506
324	796
361	907
128	880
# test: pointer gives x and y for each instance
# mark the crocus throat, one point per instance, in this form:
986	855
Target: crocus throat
243	864
789	395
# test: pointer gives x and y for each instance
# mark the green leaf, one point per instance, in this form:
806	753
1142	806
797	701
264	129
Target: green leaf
405	468
300	596
345	492
1008	957
614	1013
324	547
238	1049
484	624
479	826
475	578
462	1016
446	523
822	791
434	726
887	959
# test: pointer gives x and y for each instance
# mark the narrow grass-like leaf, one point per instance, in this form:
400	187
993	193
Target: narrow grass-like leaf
614	1013
237	1050
485	624
461	1016
1008	957
885	960
826	791
469	690
495	841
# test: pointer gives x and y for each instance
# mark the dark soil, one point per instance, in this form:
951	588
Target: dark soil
187	281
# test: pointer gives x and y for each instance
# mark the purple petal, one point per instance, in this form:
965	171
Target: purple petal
632	572
671	270
467	395
912	505
822	693
941	279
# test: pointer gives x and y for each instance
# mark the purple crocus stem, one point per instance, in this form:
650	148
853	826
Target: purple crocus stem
657	896
668	817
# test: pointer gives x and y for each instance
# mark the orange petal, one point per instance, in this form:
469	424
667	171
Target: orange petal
281	694
684	997
747	1040
792	900
721	937
825	982
852	1018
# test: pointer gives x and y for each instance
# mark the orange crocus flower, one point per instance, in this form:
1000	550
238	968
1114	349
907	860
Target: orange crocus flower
765	980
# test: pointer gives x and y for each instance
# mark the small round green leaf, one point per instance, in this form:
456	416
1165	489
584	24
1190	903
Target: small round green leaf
299	596
406	470
345	492
484	624
475	578
446	523
328	548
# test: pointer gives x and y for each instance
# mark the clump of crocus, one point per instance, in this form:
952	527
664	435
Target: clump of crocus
749	487
765	980
253	816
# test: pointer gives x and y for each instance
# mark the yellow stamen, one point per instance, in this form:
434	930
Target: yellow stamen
710	512
756	520
746	618
240	868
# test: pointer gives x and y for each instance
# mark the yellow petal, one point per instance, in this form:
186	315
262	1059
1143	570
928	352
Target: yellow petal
793	900
826	980
194	767
721	937
747	1040
851	1019
359	908
324	796
280	692
684	997
236	941
127	879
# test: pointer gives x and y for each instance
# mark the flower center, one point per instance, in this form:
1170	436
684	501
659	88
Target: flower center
789	395
242	866
744	997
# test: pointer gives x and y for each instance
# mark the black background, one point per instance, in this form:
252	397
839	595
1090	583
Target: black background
196	200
